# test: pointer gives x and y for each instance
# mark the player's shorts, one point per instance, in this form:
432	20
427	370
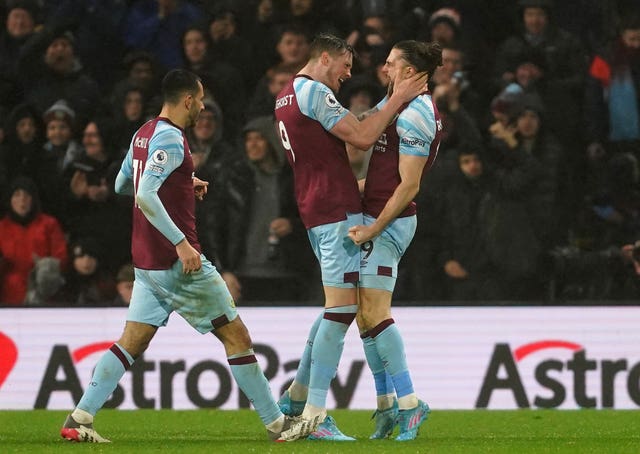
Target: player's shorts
381	256
200	297
339	257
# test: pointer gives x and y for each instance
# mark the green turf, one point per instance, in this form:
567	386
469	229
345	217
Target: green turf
238	432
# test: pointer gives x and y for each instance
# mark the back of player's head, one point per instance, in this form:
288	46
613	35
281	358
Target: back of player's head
425	57
177	83
331	44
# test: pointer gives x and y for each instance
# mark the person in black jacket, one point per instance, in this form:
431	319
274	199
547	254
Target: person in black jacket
250	223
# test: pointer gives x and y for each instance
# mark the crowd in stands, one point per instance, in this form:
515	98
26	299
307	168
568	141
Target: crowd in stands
534	197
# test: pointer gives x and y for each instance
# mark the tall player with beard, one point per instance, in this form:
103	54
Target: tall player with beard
171	274
401	156
314	128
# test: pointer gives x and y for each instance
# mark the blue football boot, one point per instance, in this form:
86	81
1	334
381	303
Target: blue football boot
386	421
411	420
328	431
290	407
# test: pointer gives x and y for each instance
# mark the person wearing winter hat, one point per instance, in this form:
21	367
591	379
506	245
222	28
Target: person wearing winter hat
57	155
87	283
26	232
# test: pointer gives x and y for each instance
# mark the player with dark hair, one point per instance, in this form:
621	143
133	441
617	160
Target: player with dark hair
171	274
401	156
314	128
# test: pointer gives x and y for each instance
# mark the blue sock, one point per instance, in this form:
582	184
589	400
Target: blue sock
381	378
327	349
108	372
391	350
253	383
304	369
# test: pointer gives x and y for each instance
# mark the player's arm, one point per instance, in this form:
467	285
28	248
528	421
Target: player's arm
124	179
410	169
169	143
166	154
416	134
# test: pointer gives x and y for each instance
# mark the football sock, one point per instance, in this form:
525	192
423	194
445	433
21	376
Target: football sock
251	380
327	349
385	392
277	425
108	372
300	386
391	350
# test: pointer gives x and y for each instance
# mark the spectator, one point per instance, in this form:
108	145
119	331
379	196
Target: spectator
128	111
21	16
264	98
229	46
23	141
556	72
463	257
208	146
26	232
223	81
124	285
612	97
50	70
92	202
156	26
54	162
141	71
252	225
87	285
97	27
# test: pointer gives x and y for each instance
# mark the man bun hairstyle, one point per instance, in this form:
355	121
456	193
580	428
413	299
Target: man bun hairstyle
176	83
424	56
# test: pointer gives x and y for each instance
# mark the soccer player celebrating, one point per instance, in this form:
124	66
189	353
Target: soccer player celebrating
314	128
401	156
170	272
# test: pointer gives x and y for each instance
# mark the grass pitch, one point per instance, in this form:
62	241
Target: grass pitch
238	432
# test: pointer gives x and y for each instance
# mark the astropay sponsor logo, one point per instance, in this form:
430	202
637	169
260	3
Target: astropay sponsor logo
561	379
175	377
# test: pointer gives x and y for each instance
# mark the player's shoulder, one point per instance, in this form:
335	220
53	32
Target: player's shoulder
166	134
306	87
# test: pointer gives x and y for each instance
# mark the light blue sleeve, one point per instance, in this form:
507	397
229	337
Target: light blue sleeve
166	153
318	102
382	102
416	127
124	179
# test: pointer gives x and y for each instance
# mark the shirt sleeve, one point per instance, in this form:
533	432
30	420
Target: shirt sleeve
166	153
318	102
124	179
416	127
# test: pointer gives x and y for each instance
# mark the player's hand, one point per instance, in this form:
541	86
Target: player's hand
361	233
409	88
189	257
200	188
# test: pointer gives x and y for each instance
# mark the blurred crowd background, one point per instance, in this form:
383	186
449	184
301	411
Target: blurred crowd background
533	198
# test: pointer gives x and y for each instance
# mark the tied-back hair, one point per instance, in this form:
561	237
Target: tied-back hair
176	83
424	56
325	42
